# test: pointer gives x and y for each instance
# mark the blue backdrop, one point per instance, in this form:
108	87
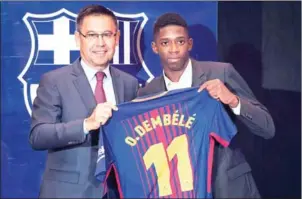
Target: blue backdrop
38	36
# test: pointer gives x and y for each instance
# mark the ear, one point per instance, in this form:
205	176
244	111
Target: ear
77	38
154	47
190	44
117	38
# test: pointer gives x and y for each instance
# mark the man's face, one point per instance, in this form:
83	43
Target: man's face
96	50
172	44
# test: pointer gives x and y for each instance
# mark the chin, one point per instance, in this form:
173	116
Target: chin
101	62
176	67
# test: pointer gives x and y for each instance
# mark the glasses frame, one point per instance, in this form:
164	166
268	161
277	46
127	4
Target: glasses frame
99	35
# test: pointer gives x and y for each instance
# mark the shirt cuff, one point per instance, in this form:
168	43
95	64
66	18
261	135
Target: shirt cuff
84	128
236	110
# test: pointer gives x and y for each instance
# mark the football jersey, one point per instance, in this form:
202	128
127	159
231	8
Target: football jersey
163	145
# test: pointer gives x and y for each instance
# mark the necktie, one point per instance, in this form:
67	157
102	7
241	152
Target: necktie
99	89
96	137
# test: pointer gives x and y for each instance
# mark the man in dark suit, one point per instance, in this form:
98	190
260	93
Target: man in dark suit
231	173
73	103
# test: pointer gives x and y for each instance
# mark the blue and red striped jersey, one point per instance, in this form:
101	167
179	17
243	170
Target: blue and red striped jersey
162	145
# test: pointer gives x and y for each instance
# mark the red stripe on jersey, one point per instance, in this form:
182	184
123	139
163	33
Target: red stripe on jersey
224	143
174	178
219	139
165	131
179	132
161	113
118	181
210	164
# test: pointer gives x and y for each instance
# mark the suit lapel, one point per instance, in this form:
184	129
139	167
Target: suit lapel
83	87
118	85
160	85
199	76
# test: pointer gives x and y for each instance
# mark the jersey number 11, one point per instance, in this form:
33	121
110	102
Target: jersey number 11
157	155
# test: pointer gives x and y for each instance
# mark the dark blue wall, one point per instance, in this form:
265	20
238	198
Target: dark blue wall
263	41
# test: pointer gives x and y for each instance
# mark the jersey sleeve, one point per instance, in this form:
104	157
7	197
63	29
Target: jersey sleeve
223	129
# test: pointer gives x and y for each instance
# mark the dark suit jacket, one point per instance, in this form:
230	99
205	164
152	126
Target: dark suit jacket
231	173
64	99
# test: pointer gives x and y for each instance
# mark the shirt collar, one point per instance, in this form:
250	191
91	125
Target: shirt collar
185	79
90	71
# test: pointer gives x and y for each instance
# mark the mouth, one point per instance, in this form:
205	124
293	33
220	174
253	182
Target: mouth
173	59
100	52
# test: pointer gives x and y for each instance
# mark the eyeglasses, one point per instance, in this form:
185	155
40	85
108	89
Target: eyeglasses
94	36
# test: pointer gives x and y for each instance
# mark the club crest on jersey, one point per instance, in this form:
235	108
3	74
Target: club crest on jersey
53	46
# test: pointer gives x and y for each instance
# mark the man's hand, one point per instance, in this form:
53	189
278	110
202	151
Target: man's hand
99	116
219	91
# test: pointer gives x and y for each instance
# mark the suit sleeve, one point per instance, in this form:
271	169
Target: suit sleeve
253	114
47	131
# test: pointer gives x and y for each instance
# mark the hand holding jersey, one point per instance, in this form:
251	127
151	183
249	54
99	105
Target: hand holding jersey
219	91
100	115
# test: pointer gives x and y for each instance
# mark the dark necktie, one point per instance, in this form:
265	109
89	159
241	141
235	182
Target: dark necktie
99	89
100	97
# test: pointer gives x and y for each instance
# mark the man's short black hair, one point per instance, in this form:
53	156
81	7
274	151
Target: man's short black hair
169	19
94	10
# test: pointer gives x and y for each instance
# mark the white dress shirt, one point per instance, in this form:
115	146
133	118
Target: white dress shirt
107	84
186	80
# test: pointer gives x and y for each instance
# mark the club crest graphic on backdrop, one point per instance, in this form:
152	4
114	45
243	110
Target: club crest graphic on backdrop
53	46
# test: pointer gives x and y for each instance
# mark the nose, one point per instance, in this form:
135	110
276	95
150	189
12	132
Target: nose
100	41
173	48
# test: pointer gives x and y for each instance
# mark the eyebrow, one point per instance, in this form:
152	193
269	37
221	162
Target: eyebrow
165	38
106	31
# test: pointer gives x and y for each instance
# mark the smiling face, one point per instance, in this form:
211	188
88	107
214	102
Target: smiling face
172	44
96	50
